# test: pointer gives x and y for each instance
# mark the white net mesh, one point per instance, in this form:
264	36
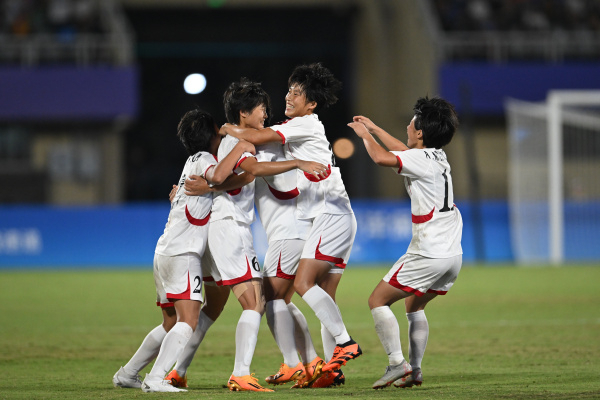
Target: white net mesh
532	174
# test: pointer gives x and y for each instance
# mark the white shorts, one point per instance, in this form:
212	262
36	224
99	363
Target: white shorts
419	275
210	273
231	246
177	278
331	239
282	258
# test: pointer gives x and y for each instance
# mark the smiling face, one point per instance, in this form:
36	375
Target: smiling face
415	137
296	104
254	119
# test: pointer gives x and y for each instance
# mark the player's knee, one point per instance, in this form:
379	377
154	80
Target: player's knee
250	295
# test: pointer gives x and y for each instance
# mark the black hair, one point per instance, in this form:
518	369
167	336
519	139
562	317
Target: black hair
437	119
317	83
195	130
244	96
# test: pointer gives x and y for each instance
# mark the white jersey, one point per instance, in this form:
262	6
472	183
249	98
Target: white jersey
304	138
187	230
437	223
276	197
237	204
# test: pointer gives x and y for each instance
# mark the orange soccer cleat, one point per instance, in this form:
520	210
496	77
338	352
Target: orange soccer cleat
342	354
330	379
313	371
175	380
246	383
286	374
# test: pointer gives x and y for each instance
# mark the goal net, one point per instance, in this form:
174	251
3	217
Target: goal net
554	177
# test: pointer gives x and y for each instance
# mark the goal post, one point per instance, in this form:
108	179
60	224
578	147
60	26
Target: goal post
554	177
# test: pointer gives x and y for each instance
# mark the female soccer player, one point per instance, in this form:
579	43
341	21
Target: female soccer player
434	256
323	202
177	259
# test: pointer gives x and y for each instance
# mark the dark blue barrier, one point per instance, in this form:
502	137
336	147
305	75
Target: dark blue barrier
68	92
486	86
117	236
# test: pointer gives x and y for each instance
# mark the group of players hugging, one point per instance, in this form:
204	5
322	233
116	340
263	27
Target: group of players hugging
287	171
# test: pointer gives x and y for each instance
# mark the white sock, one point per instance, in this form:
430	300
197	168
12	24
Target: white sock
147	351
304	343
246	335
327	312
172	346
418	332
328	343
386	326
187	355
281	324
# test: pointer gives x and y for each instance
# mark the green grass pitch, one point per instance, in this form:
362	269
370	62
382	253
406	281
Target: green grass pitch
502	332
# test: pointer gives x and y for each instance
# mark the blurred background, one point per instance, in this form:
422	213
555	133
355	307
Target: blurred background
91	92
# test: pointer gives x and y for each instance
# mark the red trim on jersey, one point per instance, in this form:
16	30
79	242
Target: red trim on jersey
196	221
400	162
394	282
338	262
313	178
290	194
241	279
240	162
165	305
280	273
440	292
282	137
419	219
209	167
181	296
234	192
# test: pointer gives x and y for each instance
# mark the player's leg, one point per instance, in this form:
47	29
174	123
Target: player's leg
251	297
216	298
128	375
418	333
281	324
178	275
388	331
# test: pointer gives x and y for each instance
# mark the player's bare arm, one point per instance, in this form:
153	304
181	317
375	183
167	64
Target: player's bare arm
254	136
388	140
377	153
256	168
173	193
224	168
196	185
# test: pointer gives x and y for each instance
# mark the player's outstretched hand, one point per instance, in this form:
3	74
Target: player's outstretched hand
196	186
246	146
314	168
227	129
366	121
359	128
173	193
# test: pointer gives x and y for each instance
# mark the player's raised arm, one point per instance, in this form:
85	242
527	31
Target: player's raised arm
377	153
388	140
254	136
224	168
197	186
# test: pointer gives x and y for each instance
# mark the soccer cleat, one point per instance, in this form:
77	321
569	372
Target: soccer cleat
393	373
415	378
159	385
175	380
330	379
121	379
342	354
245	383
286	374
313	371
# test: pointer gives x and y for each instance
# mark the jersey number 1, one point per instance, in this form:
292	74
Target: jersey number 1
446	208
